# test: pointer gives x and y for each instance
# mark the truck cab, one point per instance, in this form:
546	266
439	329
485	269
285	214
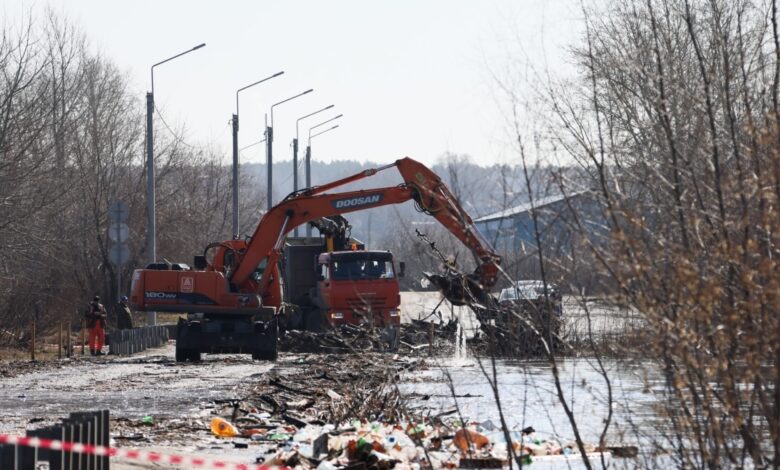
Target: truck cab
358	287
335	287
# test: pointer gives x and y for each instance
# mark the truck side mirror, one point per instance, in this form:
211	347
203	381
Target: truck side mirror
401	269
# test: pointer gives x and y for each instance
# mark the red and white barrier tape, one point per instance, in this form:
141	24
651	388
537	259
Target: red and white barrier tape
132	454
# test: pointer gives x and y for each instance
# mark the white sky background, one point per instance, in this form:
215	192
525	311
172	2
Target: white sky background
413	78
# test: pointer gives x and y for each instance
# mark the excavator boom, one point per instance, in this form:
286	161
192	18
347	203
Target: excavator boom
421	185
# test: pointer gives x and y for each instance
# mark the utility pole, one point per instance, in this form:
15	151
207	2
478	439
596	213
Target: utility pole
308	154
308	180
269	161
295	170
151	229
269	138
235	177
151	243
295	153
236	228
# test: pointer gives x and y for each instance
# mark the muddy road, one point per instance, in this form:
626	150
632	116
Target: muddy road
151	383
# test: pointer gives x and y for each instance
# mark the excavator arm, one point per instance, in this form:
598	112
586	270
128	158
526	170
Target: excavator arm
421	185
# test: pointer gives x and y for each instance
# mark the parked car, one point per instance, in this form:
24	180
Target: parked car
531	291
525	304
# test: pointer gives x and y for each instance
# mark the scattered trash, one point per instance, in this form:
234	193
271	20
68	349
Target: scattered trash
221	428
429	443
147	420
467	440
343	412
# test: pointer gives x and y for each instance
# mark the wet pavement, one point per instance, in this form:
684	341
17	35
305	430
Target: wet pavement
151	383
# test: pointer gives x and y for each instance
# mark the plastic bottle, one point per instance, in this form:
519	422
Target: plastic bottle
389	441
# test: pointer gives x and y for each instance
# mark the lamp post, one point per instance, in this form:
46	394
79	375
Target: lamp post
236	150
308	155
269	142
151	229
295	152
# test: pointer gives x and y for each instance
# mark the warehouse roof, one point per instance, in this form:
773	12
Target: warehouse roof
526	207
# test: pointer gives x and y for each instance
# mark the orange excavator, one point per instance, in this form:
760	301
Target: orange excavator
233	293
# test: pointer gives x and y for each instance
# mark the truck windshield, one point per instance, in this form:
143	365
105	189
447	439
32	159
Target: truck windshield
357	266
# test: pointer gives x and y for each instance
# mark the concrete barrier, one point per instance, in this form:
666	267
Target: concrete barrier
128	342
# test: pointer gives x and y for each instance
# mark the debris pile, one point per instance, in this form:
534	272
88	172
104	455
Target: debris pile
516	330
331	388
337	411
410	338
419	335
362	444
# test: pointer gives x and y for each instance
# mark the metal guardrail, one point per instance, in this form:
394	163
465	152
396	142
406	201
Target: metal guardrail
89	428
127	342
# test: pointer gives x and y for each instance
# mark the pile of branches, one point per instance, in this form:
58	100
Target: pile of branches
409	338
334	388
517	331
343	339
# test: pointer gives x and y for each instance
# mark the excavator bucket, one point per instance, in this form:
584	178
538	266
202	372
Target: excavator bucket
457	288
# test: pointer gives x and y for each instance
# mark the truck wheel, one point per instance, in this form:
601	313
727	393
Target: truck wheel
194	355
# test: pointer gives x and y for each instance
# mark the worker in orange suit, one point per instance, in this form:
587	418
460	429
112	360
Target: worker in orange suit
96	326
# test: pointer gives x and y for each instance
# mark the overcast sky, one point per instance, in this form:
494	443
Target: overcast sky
412	77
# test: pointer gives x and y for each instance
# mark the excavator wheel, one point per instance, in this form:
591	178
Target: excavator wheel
184	355
265	355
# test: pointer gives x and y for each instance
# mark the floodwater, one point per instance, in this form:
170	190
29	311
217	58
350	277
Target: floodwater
528	396
526	389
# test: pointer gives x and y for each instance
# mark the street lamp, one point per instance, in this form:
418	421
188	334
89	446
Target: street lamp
308	155
269	141
151	230
321	132
295	152
235	152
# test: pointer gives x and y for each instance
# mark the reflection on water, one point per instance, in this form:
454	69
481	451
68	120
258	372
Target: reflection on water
528	396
